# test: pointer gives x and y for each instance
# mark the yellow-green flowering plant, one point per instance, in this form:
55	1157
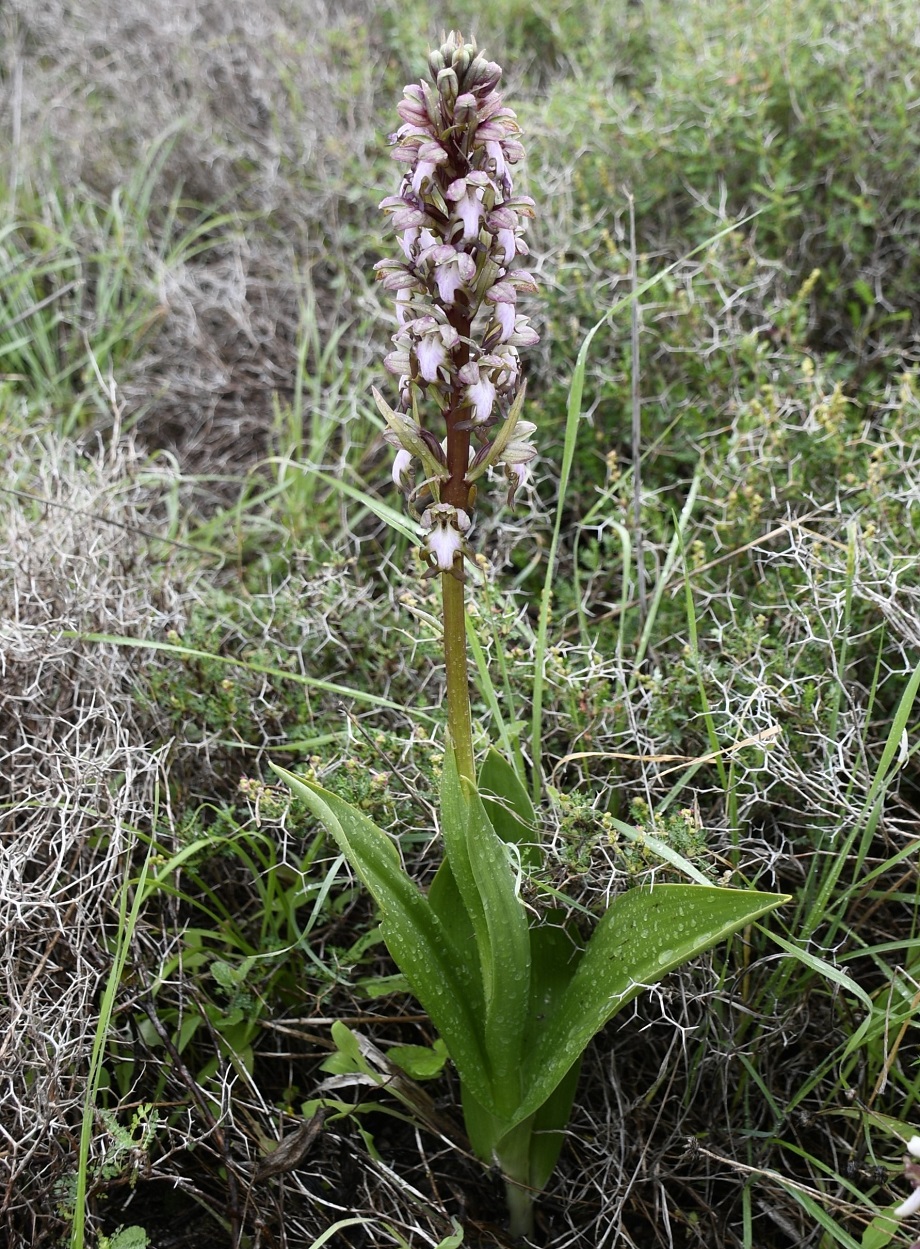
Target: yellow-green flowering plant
515	996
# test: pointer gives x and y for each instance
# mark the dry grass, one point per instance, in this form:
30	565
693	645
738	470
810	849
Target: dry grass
81	771
254	122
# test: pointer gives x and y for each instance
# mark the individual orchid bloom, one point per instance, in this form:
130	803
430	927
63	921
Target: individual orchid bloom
523	335
504	297
467	206
516	475
429	156
453	272
479	392
445	539
432	343
505	365
519	449
397	362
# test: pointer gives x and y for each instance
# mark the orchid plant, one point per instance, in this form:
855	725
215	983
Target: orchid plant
514	992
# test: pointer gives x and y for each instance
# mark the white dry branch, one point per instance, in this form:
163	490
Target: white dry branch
79	773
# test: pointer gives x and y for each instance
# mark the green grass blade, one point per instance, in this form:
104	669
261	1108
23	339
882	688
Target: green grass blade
281	674
127	922
820	1215
486	685
887	767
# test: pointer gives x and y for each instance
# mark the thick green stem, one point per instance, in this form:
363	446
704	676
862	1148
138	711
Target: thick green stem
459	718
520	1210
513	1156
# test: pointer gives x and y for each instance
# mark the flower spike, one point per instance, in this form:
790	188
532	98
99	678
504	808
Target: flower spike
459	226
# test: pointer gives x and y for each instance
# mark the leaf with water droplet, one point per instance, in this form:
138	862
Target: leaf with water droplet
632	947
414	934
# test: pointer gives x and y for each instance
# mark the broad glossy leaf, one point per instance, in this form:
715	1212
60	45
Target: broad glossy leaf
445	900
554	958
483	1127
548	1126
644	934
508	806
487	883
414	935
554	961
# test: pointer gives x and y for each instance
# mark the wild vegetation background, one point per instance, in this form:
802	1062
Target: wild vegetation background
195	579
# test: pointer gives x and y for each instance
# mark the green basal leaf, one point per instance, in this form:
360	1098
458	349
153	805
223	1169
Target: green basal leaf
488	886
554	960
508	806
414	934
483	1128
529	1150
455	817
548	1126
445	901
644	934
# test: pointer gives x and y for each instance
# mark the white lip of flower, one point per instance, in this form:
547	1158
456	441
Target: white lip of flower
465	194
453	271
432	341
402	469
480	391
444	541
431	354
912	1204
908	1207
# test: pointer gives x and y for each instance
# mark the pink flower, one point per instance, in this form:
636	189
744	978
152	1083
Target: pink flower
455	272
468	207
431	354
460	229
444	541
432	343
480	391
